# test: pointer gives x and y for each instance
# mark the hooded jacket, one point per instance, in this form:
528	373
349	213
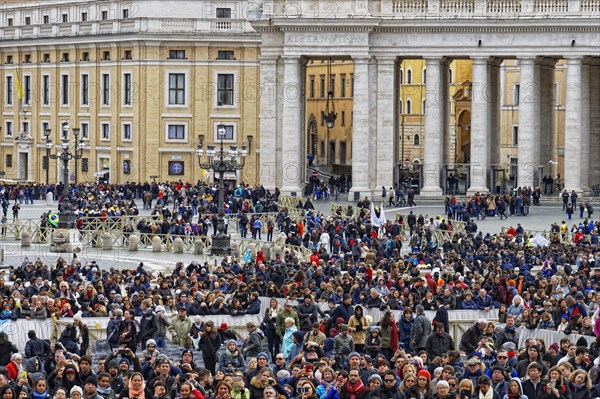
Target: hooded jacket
229	360
520	388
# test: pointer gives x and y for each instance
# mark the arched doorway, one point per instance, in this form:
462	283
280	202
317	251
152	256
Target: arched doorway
463	133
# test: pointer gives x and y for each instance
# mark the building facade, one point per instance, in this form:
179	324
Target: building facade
492	91
141	81
378	35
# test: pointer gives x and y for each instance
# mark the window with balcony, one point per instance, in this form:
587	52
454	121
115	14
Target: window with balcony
223	12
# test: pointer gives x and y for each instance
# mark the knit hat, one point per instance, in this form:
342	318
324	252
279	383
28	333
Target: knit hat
76	389
344	327
352	354
150	342
375	377
125	360
424	373
91	380
262	354
498	367
554	346
159	308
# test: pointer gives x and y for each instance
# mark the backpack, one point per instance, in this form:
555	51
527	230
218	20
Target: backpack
113	331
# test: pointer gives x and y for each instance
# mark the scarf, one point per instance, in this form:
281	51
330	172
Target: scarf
579	386
488	395
354	390
103	391
135	393
37	395
231	354
394	338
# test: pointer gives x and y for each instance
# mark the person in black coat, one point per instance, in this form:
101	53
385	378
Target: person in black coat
532	387
470	340
7	348
209	345
441	315
148	323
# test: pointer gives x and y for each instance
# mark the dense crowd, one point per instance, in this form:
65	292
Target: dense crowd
321	343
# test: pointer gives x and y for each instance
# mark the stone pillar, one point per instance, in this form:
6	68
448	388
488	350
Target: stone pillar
178	245
528	146
360	131
434	127
385	122
268	122
494	101
573	135
156	244
479	126
585	128
594	121
133	243
547	115
292	132
107	240
25	240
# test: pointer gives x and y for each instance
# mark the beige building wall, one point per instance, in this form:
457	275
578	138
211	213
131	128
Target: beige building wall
128	142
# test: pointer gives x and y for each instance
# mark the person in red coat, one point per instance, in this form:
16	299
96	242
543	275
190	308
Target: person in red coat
14	367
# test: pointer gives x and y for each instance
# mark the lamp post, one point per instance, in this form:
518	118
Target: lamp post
66	219
221	244
48	148
79	146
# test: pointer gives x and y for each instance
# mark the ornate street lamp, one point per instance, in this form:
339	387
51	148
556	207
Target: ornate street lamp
48	148
330	115
66	219
217	162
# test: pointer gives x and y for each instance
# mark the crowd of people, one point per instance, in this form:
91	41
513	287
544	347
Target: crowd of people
315	339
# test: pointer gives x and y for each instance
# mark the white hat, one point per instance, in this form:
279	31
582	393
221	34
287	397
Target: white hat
76	389
159	308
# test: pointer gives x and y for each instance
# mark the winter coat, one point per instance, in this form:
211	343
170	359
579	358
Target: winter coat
254	343
232	360
180	330
438	345
209	344
405	329
421	330
470	339
358	329
148	326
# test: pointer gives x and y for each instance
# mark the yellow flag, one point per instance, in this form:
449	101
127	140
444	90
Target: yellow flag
204	173
19	88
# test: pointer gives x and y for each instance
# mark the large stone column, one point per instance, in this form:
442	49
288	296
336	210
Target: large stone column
360	131
529	133
268	122
547	114
434	127
494	101
594	121
292	131
385	121
585	127
573	142
479	126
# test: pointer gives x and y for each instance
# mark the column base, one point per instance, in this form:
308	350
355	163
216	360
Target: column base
357	193
292	191
430	192
474	190
65	241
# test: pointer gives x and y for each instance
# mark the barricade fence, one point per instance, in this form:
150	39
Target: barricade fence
51	329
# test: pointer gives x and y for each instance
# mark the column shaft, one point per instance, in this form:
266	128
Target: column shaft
547	115
292	132
528	146
385	122
585	127
573	148
594	99
360	131
479	126
268	122
434	127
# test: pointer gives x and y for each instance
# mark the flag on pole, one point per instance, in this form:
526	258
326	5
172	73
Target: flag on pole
19	87
204	173
53	218
377	215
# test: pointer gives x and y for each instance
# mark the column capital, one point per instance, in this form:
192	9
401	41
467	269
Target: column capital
361	59
386	59
526	60
268	58
291	58
481	60
574	59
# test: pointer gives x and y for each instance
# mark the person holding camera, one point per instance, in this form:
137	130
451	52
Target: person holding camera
261	381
